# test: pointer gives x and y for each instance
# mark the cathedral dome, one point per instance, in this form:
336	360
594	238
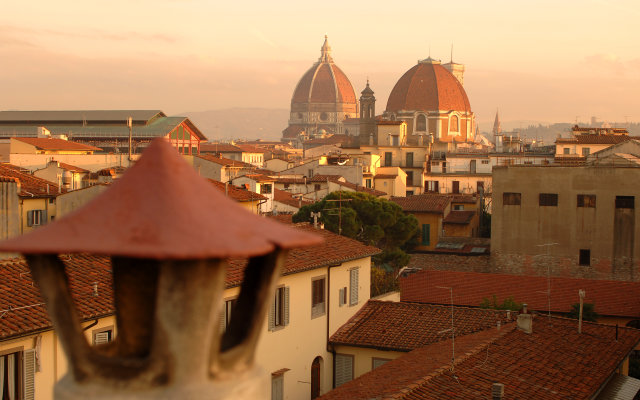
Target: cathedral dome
428	86
324	83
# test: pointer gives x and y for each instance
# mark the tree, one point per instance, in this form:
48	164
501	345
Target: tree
370	220
507	304
588	312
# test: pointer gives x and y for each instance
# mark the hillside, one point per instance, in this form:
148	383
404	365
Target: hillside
240	123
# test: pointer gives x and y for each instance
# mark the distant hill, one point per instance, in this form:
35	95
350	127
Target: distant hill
241	123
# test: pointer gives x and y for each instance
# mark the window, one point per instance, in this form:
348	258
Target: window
265	188
409	178
421	123
277	387
316	187
455	187
435	163
279	313
36	217
548	199
388	158
511	199
376	362
431	186
225	316
102	336
317	297
458	207
52	200
342	296
586	151
587	200
367	183
566	150
454	124
625	202
426	234
324	116
585	257
353	289
408	193
409	159
17	374
395	140
480	186
485	162
344	368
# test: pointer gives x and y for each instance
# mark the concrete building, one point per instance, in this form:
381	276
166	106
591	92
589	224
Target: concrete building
579	221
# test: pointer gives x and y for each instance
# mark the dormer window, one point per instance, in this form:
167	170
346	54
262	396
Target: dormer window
421	123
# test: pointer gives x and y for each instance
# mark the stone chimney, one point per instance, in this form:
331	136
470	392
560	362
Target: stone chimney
168	233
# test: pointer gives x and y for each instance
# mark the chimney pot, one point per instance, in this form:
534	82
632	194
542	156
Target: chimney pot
525	323
497	391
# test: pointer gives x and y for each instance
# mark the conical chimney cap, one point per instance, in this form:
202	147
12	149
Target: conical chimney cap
161	209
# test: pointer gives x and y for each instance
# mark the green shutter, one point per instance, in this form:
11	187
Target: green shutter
286	305
426	233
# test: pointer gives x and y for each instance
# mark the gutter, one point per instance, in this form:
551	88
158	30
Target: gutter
606	382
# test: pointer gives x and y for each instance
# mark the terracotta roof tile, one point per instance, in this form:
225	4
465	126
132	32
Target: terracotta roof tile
219	148
428	202
405	326
30	184
615	298
335	249
464	198
284	197
57	144
360	188
71	168
459	217
553	362
385	176
227	162
247	148
236	193
595	139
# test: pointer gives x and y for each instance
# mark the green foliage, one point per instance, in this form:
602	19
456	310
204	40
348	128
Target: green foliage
382	281
507	304
372	221
588	312
485	224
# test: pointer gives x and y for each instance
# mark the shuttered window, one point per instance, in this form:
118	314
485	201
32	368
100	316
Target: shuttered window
317	297
376	362
102	336
344	368
28	374
426	234
548	199
279	312
36	217
353	289
342	296
277	387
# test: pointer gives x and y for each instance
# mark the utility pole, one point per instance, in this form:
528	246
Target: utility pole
130	125
581	294
547	245
339	208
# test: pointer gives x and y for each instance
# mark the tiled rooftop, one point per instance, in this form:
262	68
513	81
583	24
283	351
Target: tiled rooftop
71	168
236	193
385	176
282	196
227	162
219	148
553	362
428	202
360	188
56	144
403	326
459	217
614	298
29	184
595	139
335	249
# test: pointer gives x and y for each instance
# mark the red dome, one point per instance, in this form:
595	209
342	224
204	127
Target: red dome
428	86
324	83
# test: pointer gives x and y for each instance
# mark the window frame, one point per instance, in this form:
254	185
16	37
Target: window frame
511	199
586	200
548	199
584	257
109	329
318	308
374	359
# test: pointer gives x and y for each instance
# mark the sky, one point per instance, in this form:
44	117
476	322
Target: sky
544	61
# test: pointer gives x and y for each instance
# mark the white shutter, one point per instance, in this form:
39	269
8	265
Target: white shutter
223	318
29	372
277	388
341	296
344	369
286	305
353	300
102	338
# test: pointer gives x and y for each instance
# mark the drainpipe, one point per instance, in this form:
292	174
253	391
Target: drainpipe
330	348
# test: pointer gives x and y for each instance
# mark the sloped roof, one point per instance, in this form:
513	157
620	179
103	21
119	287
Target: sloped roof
56	144
284	197
459	217
29	184
161	209
395	326
360	188
616	298
595	139
227	162
219	148
79	116
553	362
237	194
335	249
428	202
71	168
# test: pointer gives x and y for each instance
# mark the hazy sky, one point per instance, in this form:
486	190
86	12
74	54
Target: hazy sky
534	60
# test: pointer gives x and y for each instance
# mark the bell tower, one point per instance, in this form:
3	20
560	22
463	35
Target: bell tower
367	116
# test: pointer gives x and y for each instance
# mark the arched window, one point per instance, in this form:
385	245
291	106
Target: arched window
392	117
454	124
316	377
421	123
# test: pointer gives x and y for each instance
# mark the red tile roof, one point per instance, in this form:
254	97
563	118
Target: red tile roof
219	148
428	202
324	83
595	139
71	168
360	188
29	184
335	249
464	198
259	177
385	176
237	194
284	197
292	131
459	217
57	144
334	139
324	178
247	148
22	309
553	362
394	326
227	162
615	298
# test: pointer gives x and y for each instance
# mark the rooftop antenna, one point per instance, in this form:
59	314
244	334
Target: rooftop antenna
453	332
547	245
451	53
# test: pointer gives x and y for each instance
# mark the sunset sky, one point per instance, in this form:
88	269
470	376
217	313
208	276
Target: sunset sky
535	61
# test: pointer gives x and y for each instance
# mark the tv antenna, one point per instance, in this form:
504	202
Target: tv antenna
453	332
547	245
